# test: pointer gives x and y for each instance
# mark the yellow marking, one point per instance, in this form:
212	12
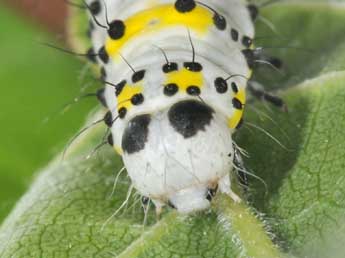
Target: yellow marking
153	20
185	78
237	116
118	150
128	91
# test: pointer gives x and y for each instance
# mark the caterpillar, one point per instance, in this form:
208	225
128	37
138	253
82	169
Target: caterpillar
176	73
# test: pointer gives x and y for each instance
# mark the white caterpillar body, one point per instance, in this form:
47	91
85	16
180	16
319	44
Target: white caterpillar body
173	116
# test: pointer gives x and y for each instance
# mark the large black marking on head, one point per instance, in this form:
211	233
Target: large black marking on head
136	133
190	116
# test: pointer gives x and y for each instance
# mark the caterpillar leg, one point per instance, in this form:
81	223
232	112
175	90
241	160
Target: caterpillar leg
225	187
159	207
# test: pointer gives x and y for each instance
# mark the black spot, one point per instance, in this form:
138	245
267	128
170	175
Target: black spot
95	7
122	112
234	87
221	85
193	66
250	57
110	140
103	55
219	21
246	41
184	6
103	74
145	200
211	193
101	97
136	134
171	205
237	103
91	55
119	87
253	11
138	76
108	119
170	89
170	67
116	29
234	35
190	116
239	125
137	99
193	90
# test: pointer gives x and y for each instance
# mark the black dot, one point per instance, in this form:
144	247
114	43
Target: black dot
110	140
253	11
116	29
193	66
101	97
137	99
170	89
103	55
136	134
250	57
122	112
170	67
103	74
145	200
95	7
234	35
108	119
221	85
119	87
219	21
234	87
138	76
91	55
193	90
171	205
240	123
184	6
237	103
246	41
211	193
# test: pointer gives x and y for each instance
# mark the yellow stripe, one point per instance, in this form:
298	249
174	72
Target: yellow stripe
237	116
128	91
185	78
153	20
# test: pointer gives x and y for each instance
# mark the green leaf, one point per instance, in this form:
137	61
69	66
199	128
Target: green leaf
67	212
35	82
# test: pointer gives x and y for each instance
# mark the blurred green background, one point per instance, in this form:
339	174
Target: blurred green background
36	82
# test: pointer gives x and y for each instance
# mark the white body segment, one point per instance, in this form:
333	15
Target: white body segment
176	142
172	168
